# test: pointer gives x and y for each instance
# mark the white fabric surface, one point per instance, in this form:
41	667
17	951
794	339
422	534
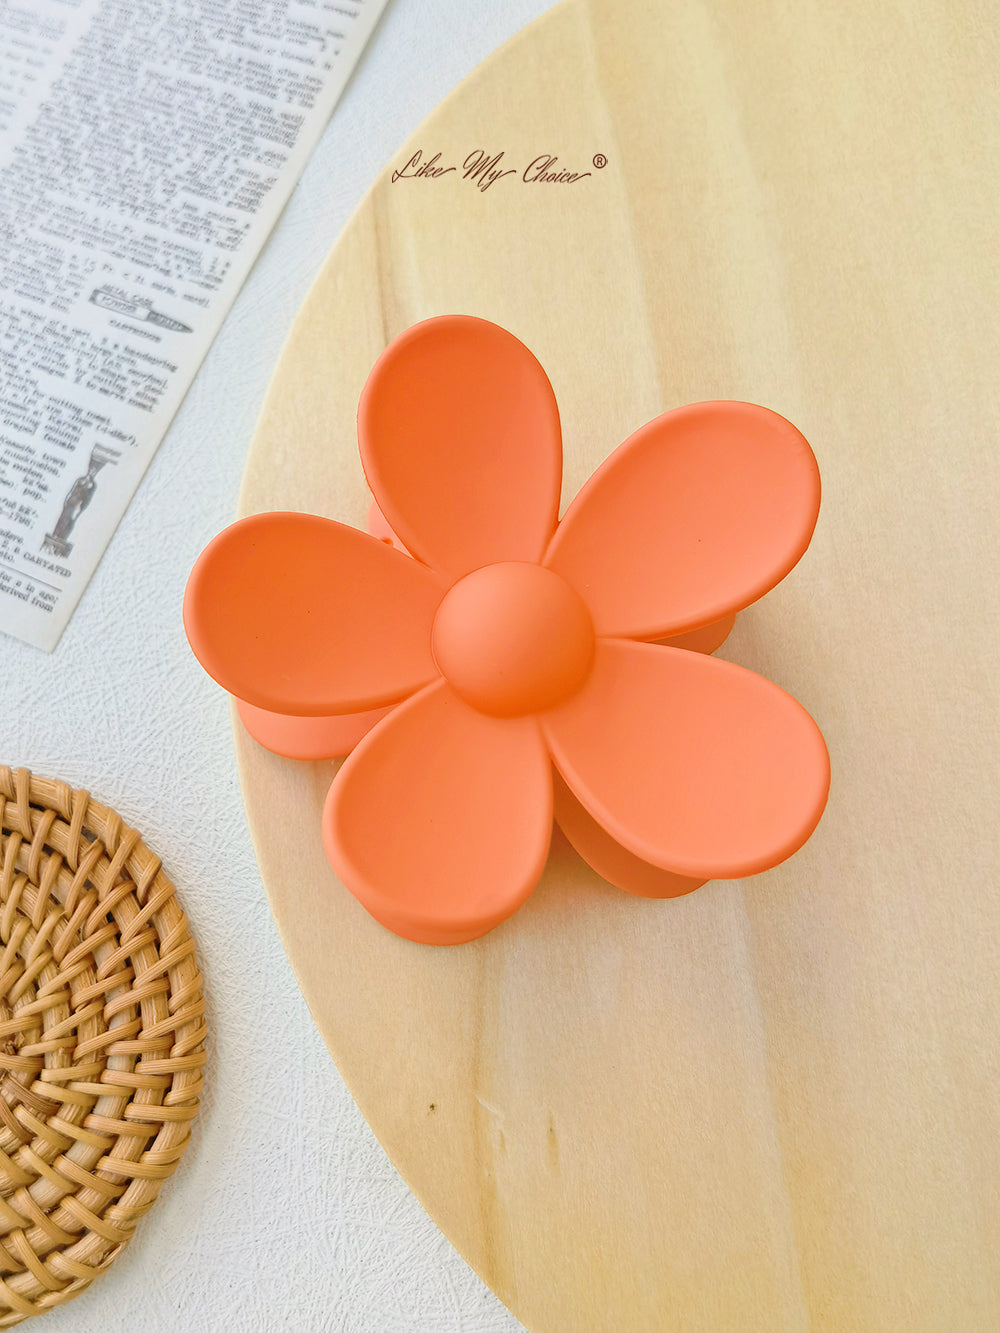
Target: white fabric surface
285	1212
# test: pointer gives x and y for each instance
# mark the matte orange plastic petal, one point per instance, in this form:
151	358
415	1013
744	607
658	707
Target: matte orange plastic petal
379	528
439	822
307	737
691	763
695	516
706	639
298	614
610	859
461	445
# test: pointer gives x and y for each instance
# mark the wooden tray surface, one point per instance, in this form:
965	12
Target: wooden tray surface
772	1105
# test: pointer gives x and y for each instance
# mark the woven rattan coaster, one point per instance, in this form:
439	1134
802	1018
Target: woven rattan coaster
101	1039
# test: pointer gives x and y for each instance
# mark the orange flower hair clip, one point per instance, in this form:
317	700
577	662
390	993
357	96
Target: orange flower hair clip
499	668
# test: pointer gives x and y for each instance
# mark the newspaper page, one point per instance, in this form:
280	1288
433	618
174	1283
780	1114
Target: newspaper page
146	150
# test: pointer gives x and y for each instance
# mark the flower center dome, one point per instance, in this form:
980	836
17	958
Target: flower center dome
513	638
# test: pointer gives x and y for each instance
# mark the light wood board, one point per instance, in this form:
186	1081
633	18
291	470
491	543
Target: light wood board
772	1105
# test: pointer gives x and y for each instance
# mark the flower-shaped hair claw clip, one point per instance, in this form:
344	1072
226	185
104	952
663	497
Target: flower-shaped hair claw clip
486	667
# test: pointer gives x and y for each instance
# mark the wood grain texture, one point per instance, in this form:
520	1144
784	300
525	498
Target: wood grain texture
774	1104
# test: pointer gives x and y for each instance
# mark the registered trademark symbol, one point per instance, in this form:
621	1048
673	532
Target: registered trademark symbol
600	161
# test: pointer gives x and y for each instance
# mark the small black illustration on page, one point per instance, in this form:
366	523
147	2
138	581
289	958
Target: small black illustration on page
80	495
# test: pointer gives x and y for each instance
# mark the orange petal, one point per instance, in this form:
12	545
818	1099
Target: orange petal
691	763
460	442
609	858
698	514
307	737
298	614
439	822
705	639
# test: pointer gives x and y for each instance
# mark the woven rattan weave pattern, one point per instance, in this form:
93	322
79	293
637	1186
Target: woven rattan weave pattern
101	1039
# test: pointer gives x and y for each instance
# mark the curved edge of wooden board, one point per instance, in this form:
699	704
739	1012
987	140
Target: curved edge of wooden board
749	1110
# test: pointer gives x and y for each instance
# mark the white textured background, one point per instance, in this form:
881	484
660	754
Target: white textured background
285	1212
